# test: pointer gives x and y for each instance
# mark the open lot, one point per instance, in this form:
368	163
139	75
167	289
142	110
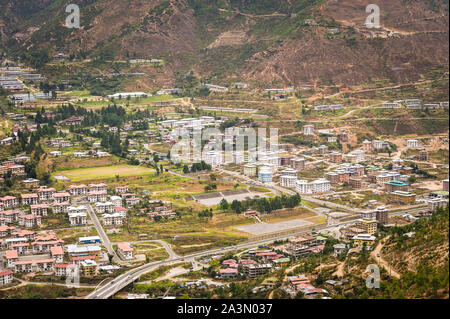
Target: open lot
85	174
215	198
263	228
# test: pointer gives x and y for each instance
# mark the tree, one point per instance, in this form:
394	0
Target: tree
223	204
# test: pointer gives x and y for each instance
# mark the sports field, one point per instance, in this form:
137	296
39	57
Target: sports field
85	174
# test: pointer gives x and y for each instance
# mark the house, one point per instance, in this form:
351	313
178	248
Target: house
339	249
6	277
30	183
228	272
76	219
9	201
121	189
60	207
89	268
39	210
114	219
46	194
30	221
57	253
29	199
91	251
361	239
125	251
11	257
65	270
61	197
255	270
77	190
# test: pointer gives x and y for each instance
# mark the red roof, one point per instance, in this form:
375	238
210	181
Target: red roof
5	273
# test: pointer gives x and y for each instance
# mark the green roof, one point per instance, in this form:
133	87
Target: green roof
282	260
396	183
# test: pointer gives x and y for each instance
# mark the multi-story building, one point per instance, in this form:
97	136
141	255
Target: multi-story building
29	199
445	185
77	219
367	146
265	174
368	225
363	239
436	203
423	155
6	277
61	197
382	215
39	210
308	129
249	170
78	190
412	143
83	251
321	185
255	270
402	197
288	181
89	268
9	201
115	219
46	194
30	221
298	164
392	186
336	157
125	251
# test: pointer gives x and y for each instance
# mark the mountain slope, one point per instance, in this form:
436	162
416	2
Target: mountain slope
261	41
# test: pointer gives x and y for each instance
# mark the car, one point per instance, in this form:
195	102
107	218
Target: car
378	255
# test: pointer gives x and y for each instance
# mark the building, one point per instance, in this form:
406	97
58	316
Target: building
363	239
339	249
382	215
298	164
445	185
265	174
321	185
39	210
308	129
76	219
392	186
89	268
368	225
249	170
125	251
423	155
412	143
436	203
288	181
336	157
402	197
367	146
91	251
29	199
6	277
255	270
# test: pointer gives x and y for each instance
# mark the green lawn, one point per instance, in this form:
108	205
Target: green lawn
85	174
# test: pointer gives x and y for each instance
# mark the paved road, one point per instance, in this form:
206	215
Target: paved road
112	287
102	234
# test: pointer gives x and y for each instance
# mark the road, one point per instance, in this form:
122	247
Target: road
120	282
377	251
102	234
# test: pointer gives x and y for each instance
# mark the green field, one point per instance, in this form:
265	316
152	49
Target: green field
85	174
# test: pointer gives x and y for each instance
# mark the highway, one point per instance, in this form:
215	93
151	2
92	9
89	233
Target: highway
114	286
